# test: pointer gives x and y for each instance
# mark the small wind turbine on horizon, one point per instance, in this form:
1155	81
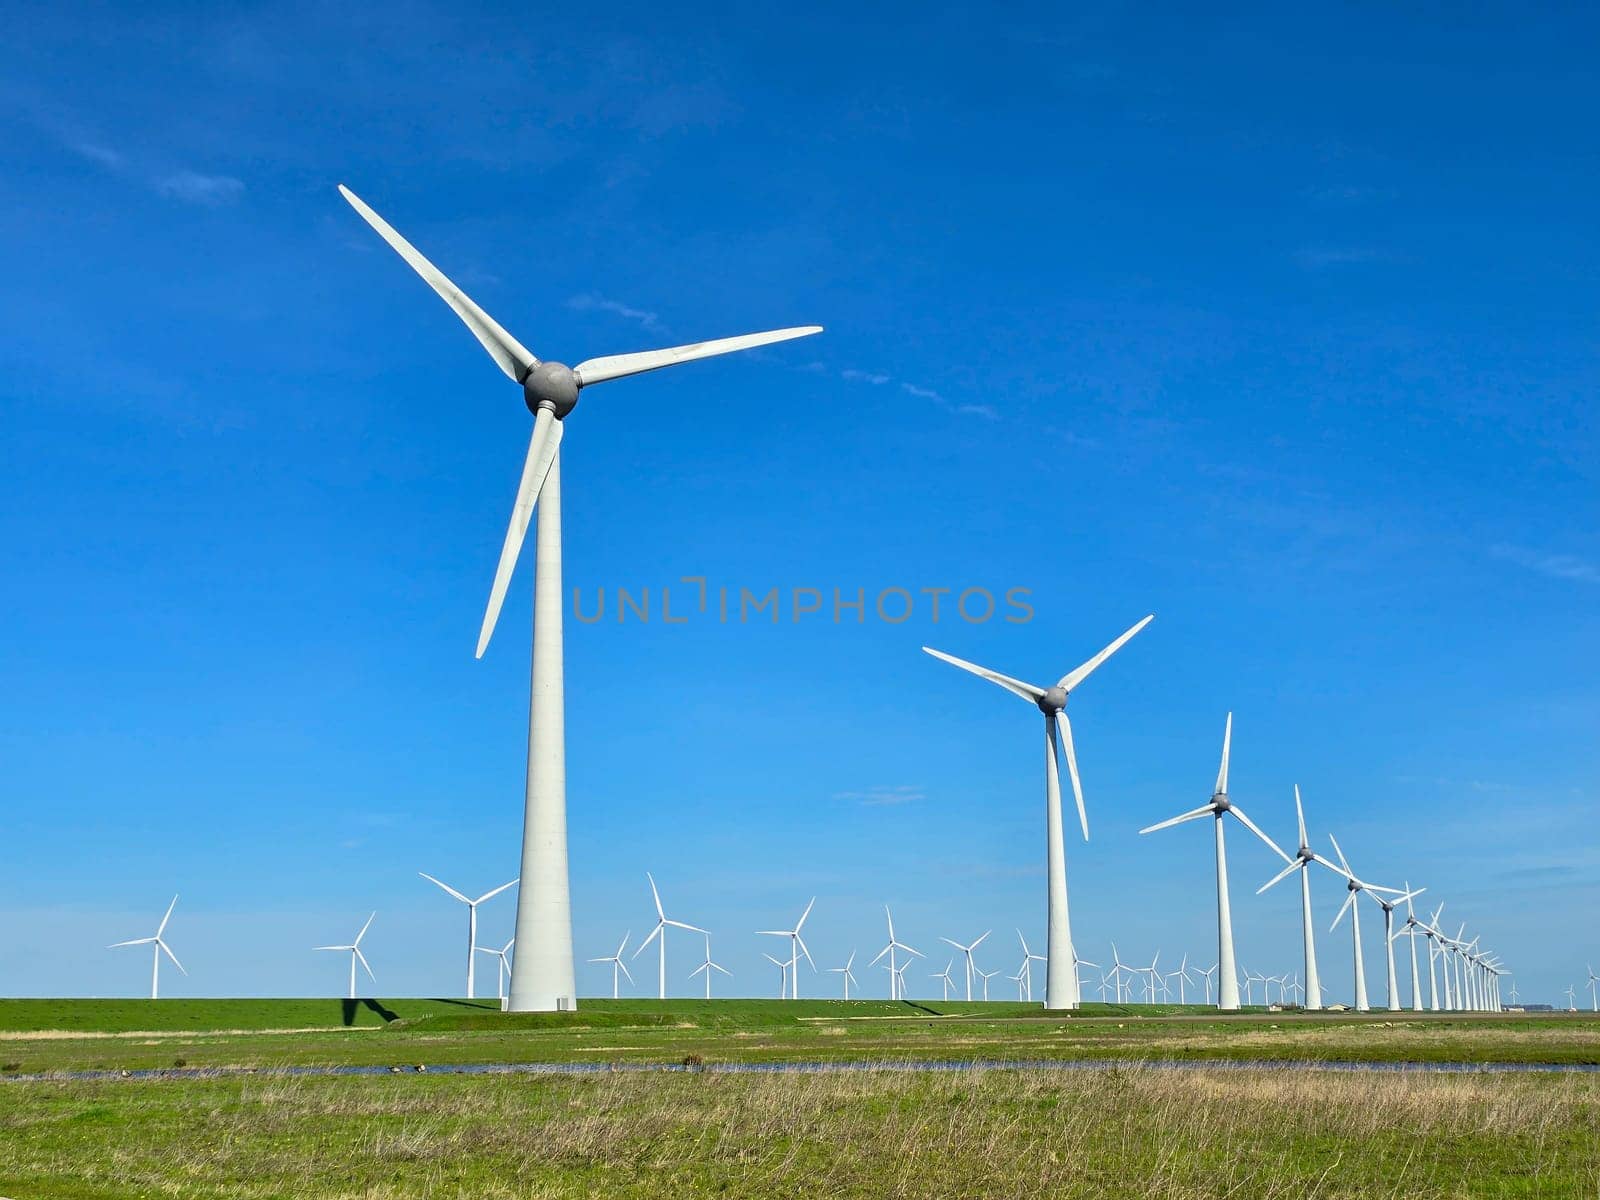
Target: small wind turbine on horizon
472	924
967	951
845	974
1025	971
707	967
354	949
617	965
1061	976
542	975
944	977
659	934
797	946
1219	805
783	976
158	947
896	974
1301	862
502	961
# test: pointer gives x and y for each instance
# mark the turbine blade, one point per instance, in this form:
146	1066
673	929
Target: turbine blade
720	967
364	929
615	366
445	886
364	963
623	945
1280	876
1194	814
804	915
162	928
802	943
1227	744
624	967
496	892
1016	687
167	950
542	448
1300	815
1343	861
1255	829
1065	727
881	953
656	895
654	933
1073	678
514	358
131	942
1350	898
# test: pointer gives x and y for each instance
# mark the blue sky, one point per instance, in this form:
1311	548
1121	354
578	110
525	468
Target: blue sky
1281	327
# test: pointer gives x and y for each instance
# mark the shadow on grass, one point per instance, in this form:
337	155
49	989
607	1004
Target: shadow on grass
351	1007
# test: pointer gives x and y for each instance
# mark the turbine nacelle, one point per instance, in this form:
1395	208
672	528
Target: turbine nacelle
1052	700
1220	802
551	384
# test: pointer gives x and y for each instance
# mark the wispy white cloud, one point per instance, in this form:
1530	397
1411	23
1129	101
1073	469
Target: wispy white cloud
921	393
192	187
872	377
593	302
1317	258
1556	566
97	153
987	411
882	794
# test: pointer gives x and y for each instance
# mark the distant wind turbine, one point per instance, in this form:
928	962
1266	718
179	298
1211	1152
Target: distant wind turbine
1061	979
1219	805
797	946
502	966
896	975
783	977
1389	934
1355	887
659	935
617	965
354	949
472	924
967	950
158	947
944	977
1302	861
707	967
844	973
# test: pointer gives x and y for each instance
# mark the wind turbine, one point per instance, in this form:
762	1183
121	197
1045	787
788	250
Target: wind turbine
944	977
986	976
1389	934
502	960
659	933
708	966
355	953
845	972
1119	973
616	964
797	946
542	974
1207	974
1061	978
158	948
1572	1003
1216	808
1302	860
967	950
783	978
472	924
896	975
1025	971
1594	982
1355	888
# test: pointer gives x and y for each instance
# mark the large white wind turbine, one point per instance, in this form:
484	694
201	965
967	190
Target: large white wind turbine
658	934
1061	976
1355	887
1301	862
502	958
472	924
1216	808
158	947
542	975
707	967
896	974
797	946
617	965
1594	982
354	949
967	951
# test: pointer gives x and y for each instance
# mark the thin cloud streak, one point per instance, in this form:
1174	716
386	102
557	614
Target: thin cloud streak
1556	566
594	302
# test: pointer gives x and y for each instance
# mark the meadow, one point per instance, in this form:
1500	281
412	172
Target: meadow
1126	1125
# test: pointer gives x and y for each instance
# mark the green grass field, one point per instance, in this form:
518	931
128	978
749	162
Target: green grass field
1120	1131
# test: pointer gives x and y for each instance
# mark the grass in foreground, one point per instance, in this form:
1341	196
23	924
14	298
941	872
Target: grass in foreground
113	1035
1134	1131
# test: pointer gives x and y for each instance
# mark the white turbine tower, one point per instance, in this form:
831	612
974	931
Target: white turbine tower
1594	982
944	977
1389	934
542	975
1061	977
472	924
1355	887
617	965
158	947
1302	860
502	968
967	951
797	946
658	934
896	973
354	949
986	976
707	967
1215	808
845	974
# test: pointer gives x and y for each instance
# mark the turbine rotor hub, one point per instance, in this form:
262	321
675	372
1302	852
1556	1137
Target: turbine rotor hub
551	384
1053	701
